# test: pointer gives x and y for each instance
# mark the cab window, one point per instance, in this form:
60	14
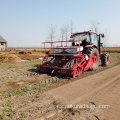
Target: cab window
94	39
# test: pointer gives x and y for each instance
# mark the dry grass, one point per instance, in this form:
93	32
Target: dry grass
42	51
9	57
26	51
113	50
21	54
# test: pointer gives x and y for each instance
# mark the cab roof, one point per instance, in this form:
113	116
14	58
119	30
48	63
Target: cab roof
84	32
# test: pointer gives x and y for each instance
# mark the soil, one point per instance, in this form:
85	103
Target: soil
13	74
27	94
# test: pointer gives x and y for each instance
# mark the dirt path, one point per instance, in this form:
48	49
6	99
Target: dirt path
109	95
86	86
99	89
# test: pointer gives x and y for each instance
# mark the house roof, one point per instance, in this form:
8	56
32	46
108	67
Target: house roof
2	39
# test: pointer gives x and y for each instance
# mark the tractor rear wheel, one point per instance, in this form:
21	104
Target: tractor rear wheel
105	59
94	55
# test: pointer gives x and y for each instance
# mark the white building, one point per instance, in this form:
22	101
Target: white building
3	44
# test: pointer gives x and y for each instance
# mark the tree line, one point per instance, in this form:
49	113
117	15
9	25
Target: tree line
67	29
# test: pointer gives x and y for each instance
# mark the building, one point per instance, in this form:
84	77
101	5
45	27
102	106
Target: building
3	44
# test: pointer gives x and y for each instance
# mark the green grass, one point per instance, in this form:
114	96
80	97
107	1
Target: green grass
114	63
8	112
15	66
2	116
111	51
11	67
41	51
115	54
24	90
23	115
10	115
10	104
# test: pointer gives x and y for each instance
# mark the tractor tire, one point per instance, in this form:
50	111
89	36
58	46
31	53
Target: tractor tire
105	59
94	54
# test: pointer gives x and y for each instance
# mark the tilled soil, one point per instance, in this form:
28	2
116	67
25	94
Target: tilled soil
15	74
27	94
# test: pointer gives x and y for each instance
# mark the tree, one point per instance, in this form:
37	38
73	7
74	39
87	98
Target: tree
95	26
66	32
105	37
62	33
52	33
71	27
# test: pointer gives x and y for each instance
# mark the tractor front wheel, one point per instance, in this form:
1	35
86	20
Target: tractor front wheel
105	59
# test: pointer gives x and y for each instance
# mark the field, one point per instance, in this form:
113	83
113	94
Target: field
113	50
25	94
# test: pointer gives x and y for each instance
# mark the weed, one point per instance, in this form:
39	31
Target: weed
34	50
3	105
34	87
9	112
10	104
23	115
10	115
2	116
29	110
11	67
38	108
48	110
25	88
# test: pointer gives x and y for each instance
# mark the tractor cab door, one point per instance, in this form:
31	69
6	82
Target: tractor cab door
94	39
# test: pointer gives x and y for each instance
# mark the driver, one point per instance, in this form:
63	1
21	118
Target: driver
73	43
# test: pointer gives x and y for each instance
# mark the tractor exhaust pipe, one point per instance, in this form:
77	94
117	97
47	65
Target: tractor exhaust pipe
99	44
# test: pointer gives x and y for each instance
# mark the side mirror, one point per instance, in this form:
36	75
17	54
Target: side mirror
102	35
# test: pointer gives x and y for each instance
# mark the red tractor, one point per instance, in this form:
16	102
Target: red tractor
72	57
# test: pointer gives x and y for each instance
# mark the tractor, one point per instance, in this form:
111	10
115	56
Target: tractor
70	58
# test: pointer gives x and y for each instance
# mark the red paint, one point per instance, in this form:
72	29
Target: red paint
107	59
71	36
95	58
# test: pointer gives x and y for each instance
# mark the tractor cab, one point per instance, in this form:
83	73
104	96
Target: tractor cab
86	38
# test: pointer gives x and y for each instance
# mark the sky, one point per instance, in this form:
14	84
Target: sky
26	23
